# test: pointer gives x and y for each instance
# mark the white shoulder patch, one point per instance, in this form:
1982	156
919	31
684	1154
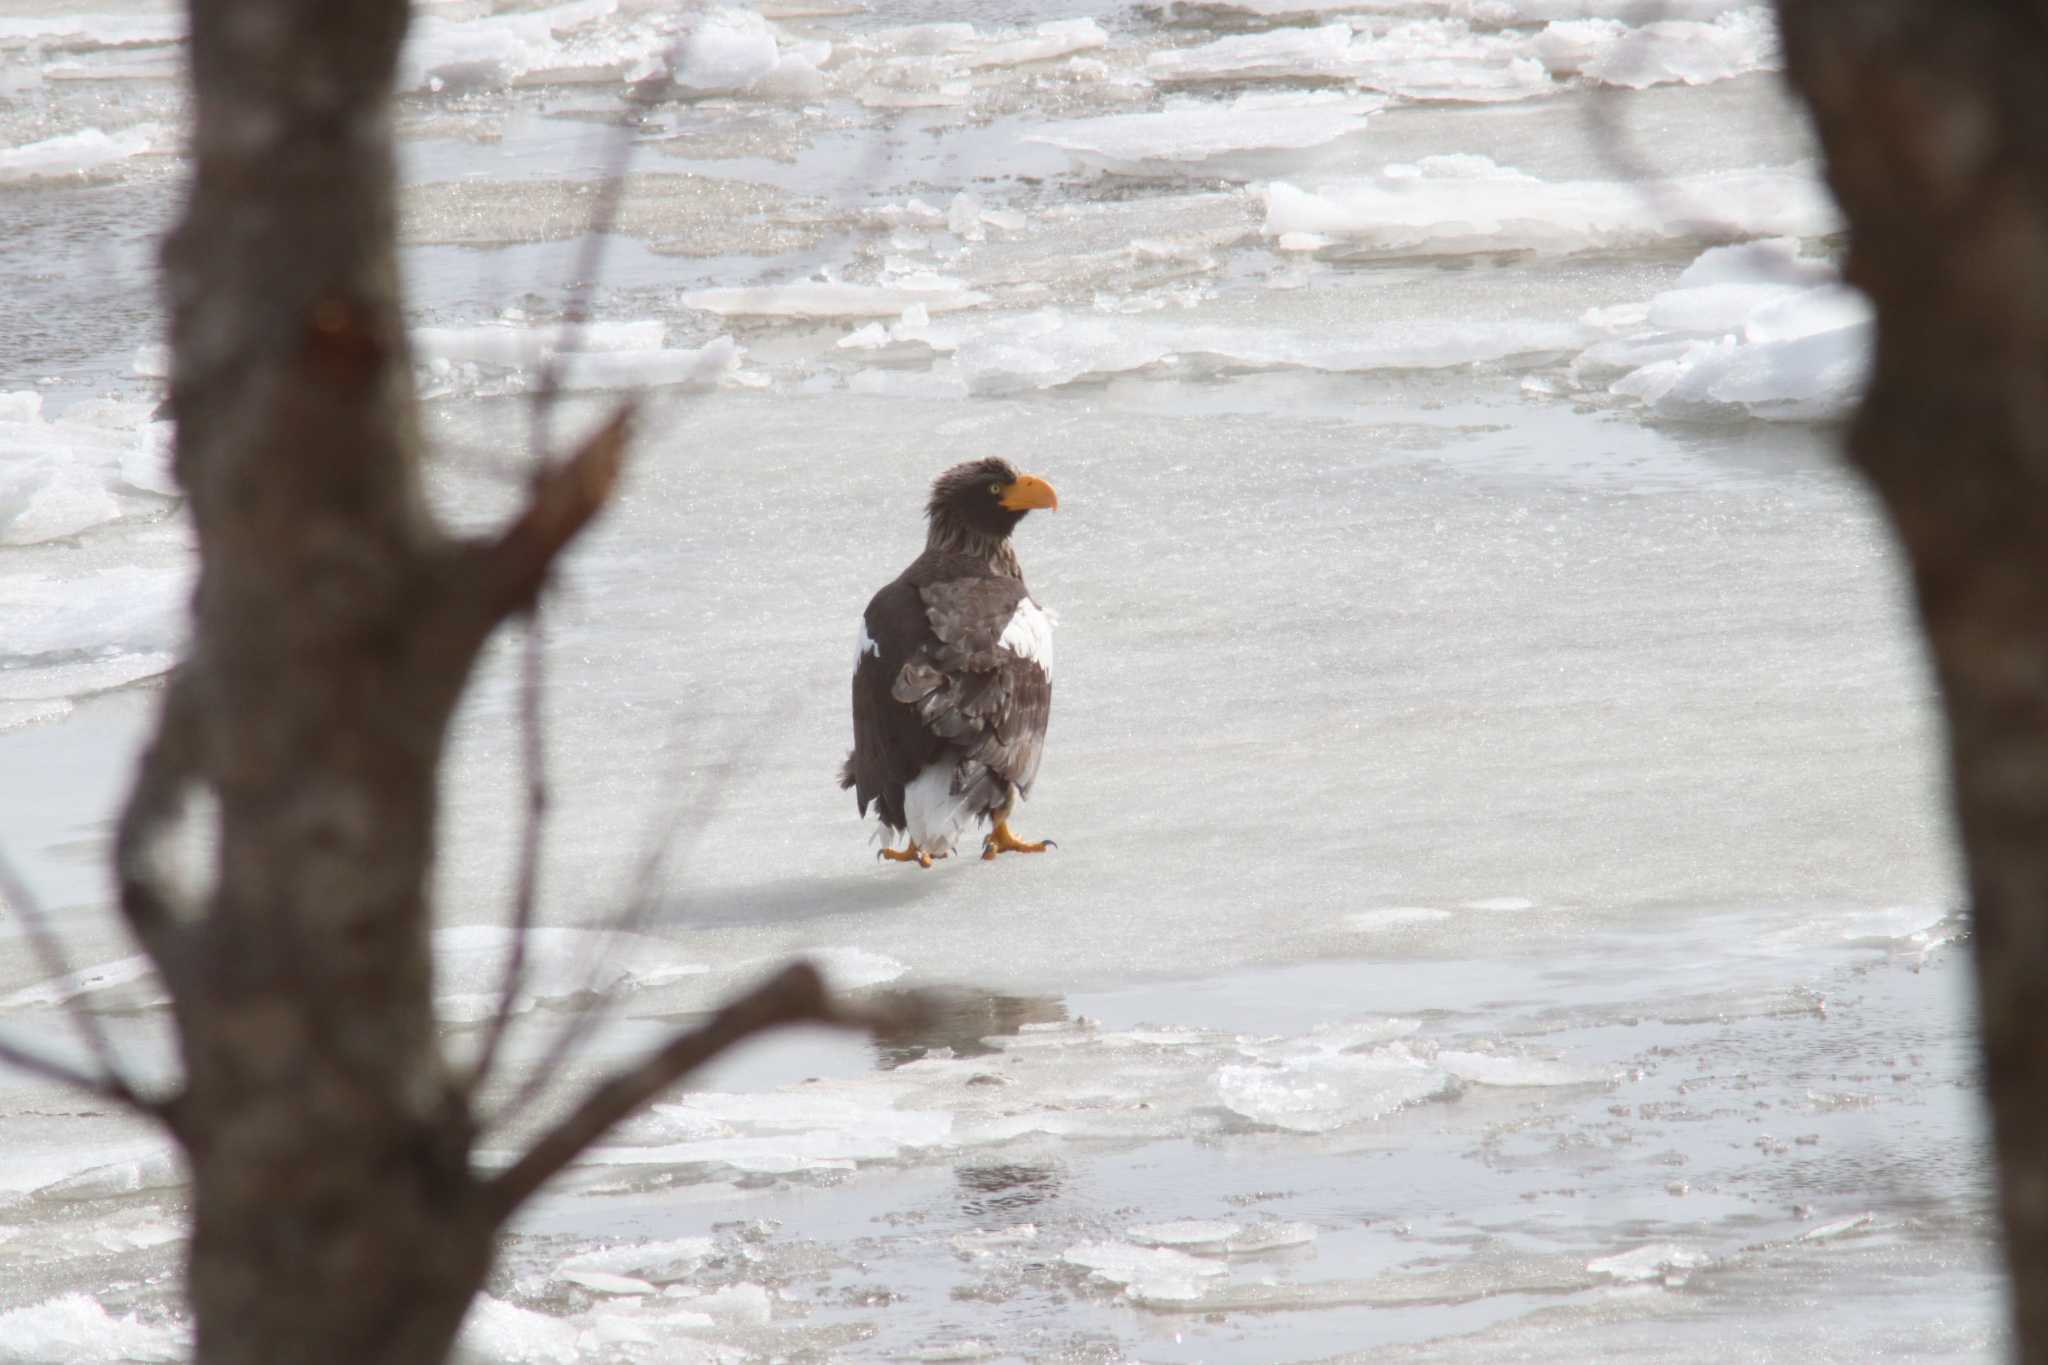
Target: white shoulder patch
866	645
1029	634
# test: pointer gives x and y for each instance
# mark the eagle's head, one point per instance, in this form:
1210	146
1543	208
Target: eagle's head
987	496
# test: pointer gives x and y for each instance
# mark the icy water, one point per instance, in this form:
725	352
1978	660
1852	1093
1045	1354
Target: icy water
1504	907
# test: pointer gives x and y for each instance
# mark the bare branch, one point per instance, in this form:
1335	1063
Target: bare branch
641	899
166	766
565	497
43	942
794	995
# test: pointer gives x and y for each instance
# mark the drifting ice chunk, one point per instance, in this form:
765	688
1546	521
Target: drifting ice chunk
1060	38
726	49
1145	1272
1253	135
1286	54
653	1262
101	616
1190	1234
1318	1094
77	154
1648	1262
1458	204
1047	349
1686	51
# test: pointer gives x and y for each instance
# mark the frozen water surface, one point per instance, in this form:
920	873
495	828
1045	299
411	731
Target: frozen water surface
1503	908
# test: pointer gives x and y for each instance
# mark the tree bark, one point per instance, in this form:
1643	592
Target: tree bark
334	1216
1936	135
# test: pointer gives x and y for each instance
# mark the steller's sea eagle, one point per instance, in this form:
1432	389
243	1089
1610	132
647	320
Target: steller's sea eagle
952	686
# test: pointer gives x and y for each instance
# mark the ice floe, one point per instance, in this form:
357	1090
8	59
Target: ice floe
1676	50
75	1328
1050	348
1458	204
80	155
1255	135
604	356
68	475
1756	329
1145	1272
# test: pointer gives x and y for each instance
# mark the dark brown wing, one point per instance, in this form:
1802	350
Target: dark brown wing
985	684
891	745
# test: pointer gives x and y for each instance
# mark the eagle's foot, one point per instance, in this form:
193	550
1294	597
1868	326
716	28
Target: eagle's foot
1001	840
912	854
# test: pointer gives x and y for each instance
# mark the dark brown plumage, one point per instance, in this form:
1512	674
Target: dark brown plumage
952	687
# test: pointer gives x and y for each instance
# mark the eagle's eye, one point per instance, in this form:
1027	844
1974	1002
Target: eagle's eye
996	488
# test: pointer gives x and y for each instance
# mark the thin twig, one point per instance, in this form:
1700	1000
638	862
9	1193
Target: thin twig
643	894
1606	129
109	1089
794	995
43	942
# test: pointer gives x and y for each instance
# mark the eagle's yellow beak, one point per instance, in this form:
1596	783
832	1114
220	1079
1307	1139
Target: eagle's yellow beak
1030	491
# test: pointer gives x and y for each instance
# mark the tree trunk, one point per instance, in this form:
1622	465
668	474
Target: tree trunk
335	1217
1936	134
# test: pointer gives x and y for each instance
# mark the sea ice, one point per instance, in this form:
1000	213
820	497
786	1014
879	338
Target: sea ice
1646	1263
1254	135
74	1328
1445	205
1049	348
107	615
80	153
1284	54
1756	328
1321	1092
1145	1272
1678	50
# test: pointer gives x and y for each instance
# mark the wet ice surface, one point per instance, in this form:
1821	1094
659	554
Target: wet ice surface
1502	910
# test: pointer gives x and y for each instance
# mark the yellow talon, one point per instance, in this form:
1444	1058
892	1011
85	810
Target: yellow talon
1001	840
912	854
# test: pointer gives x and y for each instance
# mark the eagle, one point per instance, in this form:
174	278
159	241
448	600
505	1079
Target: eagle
952	684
